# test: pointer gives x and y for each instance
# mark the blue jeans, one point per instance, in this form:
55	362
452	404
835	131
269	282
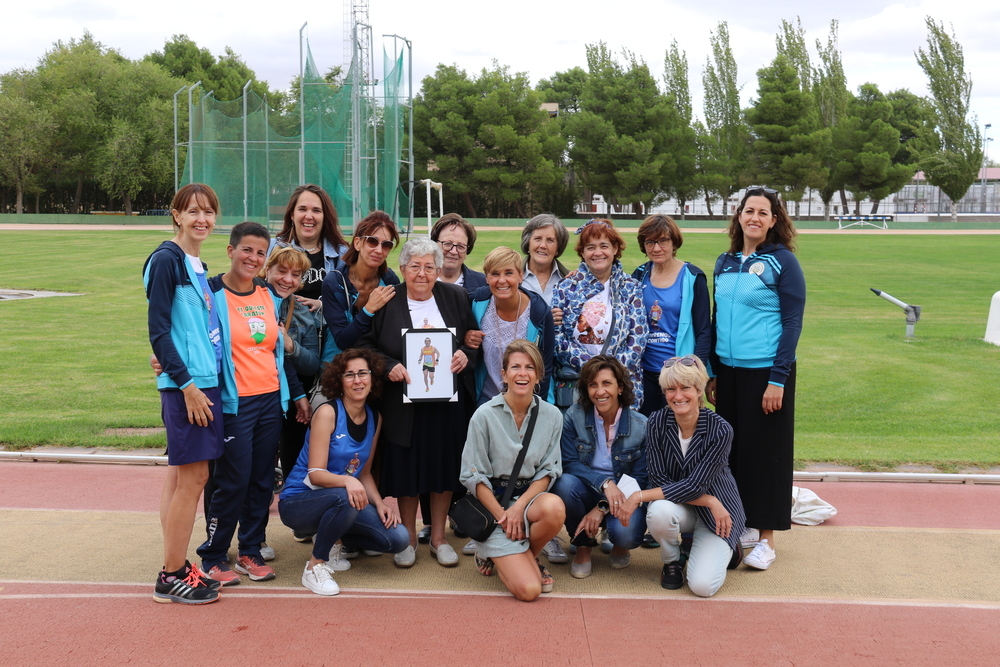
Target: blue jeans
243	479
327	515
580	498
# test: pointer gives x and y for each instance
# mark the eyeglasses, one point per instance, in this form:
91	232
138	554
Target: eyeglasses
592	221
663	243
374	241
350	375
421	268
448	245
686	360
760	188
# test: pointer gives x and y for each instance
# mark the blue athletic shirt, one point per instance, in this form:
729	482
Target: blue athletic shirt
663	309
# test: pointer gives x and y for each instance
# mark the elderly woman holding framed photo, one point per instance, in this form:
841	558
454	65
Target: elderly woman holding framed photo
423	439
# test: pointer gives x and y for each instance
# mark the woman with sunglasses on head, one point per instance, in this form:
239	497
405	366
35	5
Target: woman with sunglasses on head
760	296
675	297
331	493
601	306
693	490
363	284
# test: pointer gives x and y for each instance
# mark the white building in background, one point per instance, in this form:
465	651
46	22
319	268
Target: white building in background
917	201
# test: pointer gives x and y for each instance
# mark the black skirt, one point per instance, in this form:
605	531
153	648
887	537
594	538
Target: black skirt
432	462
763	445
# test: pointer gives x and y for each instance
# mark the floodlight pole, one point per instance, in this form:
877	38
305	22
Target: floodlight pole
912	312
302	108
437	186
177	183
245	207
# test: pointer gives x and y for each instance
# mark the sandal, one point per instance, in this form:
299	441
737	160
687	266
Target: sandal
484	565
547	579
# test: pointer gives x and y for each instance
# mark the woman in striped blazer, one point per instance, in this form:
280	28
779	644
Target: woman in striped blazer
687	453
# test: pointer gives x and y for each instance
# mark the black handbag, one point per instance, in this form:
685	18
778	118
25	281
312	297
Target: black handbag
471	516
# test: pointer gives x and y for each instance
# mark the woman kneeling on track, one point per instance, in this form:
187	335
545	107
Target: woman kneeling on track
687	448
330	492
491	451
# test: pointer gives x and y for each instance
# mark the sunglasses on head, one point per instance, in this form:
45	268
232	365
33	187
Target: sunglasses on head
594	221
752	189
683	361
374	241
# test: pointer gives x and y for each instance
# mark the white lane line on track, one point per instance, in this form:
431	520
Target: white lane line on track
363	593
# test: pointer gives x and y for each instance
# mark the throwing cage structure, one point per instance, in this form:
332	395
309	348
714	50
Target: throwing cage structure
352	137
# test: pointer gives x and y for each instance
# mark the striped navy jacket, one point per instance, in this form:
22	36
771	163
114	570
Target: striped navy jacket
705	469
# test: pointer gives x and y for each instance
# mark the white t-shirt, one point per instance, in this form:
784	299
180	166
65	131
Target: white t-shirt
592	326
685	442
425	314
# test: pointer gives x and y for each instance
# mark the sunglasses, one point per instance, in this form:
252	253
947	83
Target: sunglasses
374	241
760	188
594	221
683	361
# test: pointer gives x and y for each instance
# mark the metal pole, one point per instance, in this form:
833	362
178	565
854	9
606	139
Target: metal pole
267	166
246	215
177	183
204	154
302	108
191	129
409	92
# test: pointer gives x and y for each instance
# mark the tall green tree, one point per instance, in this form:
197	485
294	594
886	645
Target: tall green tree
955	165
832	98
25	143
680	184
564	89
722	139
789	142
622	140
791	42
868	145
487	139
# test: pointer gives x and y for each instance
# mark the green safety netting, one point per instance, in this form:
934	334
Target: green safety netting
352	146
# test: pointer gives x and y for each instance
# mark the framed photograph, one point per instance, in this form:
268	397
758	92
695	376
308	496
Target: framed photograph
428	361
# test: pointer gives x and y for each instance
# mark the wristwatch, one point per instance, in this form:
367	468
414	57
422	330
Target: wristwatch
603	505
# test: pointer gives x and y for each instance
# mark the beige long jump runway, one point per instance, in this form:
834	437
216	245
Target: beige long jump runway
904	574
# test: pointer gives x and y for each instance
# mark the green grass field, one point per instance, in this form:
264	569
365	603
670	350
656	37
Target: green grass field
73	367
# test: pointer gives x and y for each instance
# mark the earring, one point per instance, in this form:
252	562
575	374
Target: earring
538	388
503	387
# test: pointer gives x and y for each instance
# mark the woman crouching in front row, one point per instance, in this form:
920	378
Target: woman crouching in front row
330	492
687	452
496	433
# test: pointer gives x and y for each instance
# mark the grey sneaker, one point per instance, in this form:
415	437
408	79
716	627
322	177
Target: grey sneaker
266	552
337	562
554	552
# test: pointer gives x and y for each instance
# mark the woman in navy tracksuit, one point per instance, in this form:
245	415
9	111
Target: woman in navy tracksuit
760	295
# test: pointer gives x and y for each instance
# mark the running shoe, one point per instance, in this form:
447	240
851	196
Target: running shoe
254	567
554	552
185	586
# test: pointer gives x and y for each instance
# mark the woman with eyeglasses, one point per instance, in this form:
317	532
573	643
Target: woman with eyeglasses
363	284
456	237
331	493
675	298
601	306
760	296
692	489
423	440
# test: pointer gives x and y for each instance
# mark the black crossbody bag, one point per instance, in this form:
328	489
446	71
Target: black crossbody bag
470	515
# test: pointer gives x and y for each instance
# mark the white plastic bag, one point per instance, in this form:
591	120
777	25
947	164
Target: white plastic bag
808	509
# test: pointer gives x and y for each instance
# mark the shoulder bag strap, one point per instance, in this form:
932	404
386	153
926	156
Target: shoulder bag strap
512	480
611	327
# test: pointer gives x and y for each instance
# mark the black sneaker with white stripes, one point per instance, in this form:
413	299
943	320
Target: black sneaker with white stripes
185	586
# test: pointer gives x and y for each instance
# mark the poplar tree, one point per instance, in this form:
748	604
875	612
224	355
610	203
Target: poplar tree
955	165
832	98
681	183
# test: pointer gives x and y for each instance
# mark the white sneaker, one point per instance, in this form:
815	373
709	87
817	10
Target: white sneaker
320	580
749	538
371	553
554	552
470	548
761	557
405	558
266	552
337	562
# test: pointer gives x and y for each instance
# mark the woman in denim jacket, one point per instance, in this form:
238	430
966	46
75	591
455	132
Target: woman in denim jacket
601	306
603	439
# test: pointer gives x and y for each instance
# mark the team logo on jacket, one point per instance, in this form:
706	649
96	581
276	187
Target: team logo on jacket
757	268
258	329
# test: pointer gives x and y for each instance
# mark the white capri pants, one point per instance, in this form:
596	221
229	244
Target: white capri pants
710	554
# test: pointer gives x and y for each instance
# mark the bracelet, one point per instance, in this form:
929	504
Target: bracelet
640	497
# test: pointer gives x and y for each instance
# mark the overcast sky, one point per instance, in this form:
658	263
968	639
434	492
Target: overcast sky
877	38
